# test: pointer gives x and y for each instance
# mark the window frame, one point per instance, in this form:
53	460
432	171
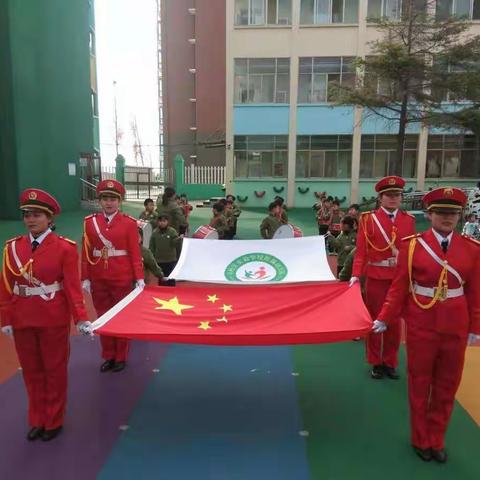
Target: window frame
265	23
248	76
453	10
312	74
323	152
390	154
316	10
277	153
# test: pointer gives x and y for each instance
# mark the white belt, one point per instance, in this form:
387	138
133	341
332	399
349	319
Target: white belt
389	262
111	252
430	292
25	291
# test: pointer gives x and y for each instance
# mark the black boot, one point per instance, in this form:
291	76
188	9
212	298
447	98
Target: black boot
377	372
391	372
34	433
51	434
119	366
107	365
424	453
439	456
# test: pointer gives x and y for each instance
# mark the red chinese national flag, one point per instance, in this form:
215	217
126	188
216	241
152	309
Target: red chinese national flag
240	315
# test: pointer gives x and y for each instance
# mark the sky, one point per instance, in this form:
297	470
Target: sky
126	48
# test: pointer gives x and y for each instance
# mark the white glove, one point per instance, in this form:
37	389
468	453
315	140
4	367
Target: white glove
379	326
85	327
87	286
7	330
140	284
353	281
472	338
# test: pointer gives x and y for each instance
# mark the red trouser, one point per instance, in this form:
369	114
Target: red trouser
104	297
43	354
375	293
435	365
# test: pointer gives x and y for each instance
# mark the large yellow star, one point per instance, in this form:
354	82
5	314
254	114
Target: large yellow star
205	325
212	298
223	319
172	305
226	308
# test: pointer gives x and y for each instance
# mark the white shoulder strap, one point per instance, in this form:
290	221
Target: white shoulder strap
382	231
425	245
104	240
25	275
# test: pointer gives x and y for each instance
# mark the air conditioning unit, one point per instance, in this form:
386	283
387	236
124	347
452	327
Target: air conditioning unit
193	100
192	41
192	70
193	129
192	11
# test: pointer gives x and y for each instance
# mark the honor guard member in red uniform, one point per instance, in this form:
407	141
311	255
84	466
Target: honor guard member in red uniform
378	239
39	294
437	289
111	264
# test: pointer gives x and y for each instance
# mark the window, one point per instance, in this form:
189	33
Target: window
317	75
469	9
261	156
453	156
378	157
262	80
324	156
392	9
263	12
318	12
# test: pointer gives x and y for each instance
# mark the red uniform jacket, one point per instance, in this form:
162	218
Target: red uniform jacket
457	316
122	232
403	226
55	260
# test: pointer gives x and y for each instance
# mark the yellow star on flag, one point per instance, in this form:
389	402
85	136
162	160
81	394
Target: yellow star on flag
173	305
212	298
205	326
226	308
223	319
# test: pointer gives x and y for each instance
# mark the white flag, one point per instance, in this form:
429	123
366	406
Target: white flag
289	260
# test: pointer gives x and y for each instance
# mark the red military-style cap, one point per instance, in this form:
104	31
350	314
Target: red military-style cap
111	187
36	199
390	184
446	198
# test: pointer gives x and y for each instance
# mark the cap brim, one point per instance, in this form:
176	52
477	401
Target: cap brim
31	207
111	193
444	206
391	189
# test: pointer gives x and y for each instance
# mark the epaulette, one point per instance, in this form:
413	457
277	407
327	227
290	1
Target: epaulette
476	242
415	235
369	211
67	240
14	238
90	216
130	217
409	214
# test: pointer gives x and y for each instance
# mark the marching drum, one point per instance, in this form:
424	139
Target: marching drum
206	232
147	229
287	231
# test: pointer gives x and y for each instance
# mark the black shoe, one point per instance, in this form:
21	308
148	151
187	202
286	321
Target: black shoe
119	366
34	433
48	435
107	365
377	372
391	372
439	456
424	453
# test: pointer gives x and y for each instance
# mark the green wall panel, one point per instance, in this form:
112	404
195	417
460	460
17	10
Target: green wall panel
50	93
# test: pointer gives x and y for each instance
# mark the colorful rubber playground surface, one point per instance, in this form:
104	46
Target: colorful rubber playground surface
229	413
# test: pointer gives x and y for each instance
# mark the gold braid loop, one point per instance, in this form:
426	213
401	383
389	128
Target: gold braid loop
86	245
390	245
441	285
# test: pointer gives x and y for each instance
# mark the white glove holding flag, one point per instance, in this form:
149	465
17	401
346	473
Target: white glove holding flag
353	281
85	328
473	338
140	284
87	286
379	326
7	330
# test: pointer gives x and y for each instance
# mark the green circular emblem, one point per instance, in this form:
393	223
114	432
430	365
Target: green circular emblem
256	267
